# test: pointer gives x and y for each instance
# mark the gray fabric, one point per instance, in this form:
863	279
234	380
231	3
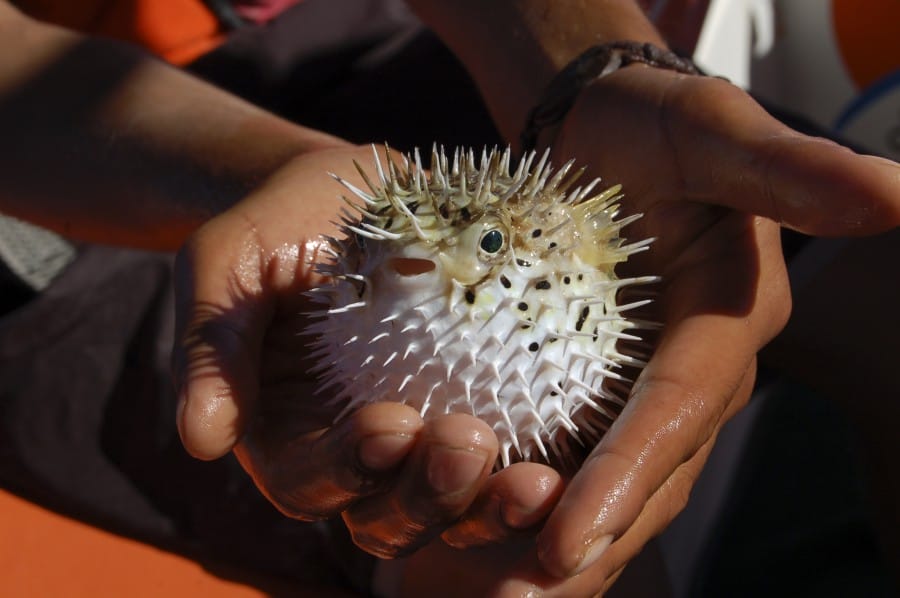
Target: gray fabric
35	255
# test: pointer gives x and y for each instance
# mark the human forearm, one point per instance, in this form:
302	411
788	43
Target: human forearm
513	48
104	143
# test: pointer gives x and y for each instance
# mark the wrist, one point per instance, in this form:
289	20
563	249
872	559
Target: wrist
595	63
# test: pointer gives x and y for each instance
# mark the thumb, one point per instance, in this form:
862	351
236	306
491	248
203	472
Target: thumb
221	316
733	153
706	140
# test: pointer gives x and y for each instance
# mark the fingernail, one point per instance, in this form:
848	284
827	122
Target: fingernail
453	470
383	451
593	554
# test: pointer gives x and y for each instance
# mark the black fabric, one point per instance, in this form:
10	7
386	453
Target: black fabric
13	290
799	522
364	70
87	425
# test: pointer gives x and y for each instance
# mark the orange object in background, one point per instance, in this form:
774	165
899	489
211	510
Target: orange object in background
43	554
176	30
868	35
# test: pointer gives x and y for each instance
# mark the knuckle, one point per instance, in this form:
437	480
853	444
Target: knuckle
295	505
782	310
688	412
307	500
699	90
471	533
679	493
779	300
675	494
382	548
300	506
428	515
777	312
388	537
391	526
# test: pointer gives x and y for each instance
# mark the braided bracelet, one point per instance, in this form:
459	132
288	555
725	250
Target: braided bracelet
592	64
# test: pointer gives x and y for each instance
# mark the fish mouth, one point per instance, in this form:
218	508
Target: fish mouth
411	266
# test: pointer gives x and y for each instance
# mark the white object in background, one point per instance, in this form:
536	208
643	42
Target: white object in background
807	72
815	71
733	32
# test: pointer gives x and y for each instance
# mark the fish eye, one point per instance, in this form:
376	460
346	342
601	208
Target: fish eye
492	241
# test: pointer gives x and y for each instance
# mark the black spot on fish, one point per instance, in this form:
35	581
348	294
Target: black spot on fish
389	223
444	211
470	296
523	306
536	233
596	335
533	347
553	339
464	212
553	245
542	285
567	279
523	263
580	277
553	393
581	319
505	282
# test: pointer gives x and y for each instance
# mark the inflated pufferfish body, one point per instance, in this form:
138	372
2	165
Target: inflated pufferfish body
479	290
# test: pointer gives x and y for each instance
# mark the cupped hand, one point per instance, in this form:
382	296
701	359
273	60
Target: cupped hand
715	176
243	382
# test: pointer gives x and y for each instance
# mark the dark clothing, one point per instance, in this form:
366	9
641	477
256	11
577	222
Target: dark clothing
87	423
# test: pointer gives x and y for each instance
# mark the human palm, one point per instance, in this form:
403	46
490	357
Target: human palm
242	366
714	176
698	157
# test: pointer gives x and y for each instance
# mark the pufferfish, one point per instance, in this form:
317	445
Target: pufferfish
480	289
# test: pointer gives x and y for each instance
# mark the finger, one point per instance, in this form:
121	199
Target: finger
238	271
677	404
749	161
452	458
513	500
682	395
707	140
665	504
499	570
319	475
221	315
